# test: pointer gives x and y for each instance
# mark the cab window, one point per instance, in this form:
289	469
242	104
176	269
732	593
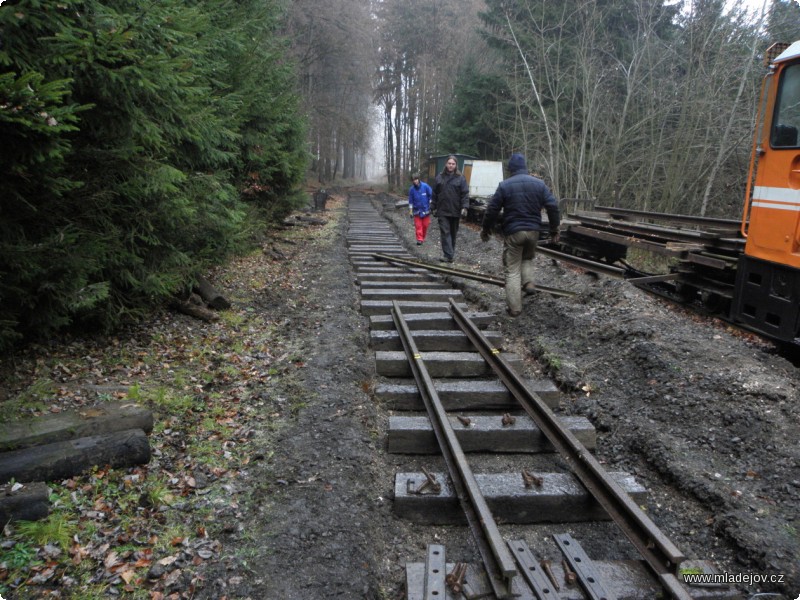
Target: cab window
787	110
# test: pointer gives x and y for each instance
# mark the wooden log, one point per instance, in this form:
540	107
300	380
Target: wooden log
274	253
62	460
195	299
300	220
73	424
193	310
24	502
210	295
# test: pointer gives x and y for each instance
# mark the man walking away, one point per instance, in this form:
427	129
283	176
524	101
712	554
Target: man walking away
450	203
522	198
419	207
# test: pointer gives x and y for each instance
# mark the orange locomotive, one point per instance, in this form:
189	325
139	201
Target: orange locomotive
767	288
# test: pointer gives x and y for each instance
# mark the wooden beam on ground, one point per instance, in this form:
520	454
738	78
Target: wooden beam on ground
482	433
559	499
467	394
24	502
61	460
72	424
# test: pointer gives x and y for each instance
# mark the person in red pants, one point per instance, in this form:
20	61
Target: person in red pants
419	206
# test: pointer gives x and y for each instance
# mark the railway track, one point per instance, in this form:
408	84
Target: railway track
704	251
457	397
699	254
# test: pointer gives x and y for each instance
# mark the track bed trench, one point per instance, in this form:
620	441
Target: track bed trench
540	508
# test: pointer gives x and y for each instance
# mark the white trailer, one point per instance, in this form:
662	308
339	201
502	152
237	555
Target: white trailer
483	177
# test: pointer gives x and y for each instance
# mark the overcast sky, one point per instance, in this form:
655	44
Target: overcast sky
752	5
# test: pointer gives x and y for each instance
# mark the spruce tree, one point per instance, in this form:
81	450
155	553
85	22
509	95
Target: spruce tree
133	131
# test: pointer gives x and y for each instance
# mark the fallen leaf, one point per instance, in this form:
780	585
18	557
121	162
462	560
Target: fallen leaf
142	562
111	559
128	575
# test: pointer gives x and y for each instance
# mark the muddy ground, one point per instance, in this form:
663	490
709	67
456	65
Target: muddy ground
705	417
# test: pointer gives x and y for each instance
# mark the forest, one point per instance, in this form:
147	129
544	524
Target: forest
144	143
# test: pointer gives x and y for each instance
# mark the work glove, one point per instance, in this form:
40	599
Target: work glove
484	235
463	212
410	211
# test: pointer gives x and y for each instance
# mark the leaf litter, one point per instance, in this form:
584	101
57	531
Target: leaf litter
151	531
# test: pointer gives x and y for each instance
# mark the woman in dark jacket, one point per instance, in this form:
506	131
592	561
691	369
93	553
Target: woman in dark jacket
449	204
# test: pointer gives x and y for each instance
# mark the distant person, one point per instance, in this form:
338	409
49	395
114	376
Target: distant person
522	198
419	206
450	203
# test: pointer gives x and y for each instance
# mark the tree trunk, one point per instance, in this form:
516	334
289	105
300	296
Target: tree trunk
61	460
28	502
69	425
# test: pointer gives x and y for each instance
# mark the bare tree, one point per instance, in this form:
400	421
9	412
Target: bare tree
422	44
334	48
723	147
638	103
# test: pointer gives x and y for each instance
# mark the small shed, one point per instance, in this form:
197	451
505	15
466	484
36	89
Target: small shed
436	164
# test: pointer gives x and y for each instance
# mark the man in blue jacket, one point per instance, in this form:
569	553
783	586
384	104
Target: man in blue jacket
522	198
419	206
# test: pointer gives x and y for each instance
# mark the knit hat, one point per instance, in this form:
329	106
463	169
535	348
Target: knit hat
516	162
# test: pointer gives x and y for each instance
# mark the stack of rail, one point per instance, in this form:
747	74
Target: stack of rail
704	251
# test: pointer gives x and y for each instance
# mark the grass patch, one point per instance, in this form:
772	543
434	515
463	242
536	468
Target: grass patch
232	319
31	399
164	399
55	530
548	359
21	555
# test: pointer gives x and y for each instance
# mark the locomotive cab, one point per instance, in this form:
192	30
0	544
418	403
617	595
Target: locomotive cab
767	296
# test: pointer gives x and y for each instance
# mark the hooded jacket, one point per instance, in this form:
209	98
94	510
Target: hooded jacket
419	199
522	198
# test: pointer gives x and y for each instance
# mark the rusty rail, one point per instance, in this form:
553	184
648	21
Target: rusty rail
466	274
658	551
499	563
589	265
731	224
